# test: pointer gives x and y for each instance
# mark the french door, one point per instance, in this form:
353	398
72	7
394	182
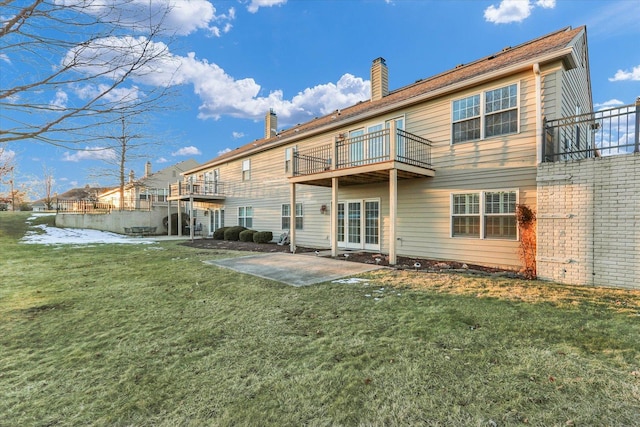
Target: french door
216	219
359	224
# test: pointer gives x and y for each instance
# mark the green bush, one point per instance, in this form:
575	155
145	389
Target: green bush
219	233
262	236
247	235
233	233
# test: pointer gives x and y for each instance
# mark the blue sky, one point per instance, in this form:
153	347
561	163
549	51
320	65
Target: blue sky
304	58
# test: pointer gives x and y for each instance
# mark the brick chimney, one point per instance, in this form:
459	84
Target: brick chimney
270	124
147	169
379	79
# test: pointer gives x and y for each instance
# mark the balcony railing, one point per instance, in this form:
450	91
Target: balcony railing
198	188
366	149
602	133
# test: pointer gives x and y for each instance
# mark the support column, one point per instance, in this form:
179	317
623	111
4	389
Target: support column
192	218
334	217
393	214
179	218
292	220
168	217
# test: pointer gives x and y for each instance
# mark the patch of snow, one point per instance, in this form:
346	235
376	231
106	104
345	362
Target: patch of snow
77	236
350	281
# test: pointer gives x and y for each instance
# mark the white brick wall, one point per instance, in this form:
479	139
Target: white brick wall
589	221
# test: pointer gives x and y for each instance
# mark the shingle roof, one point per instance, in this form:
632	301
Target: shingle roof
507	57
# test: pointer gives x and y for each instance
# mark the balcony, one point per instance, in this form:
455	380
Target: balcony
608	132
364	159
198	191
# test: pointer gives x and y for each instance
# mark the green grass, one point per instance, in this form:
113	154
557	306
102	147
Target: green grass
150	335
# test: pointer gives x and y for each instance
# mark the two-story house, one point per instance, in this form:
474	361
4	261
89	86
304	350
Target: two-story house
434	169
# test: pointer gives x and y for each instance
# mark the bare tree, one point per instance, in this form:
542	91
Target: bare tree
47	185
83	66
123	144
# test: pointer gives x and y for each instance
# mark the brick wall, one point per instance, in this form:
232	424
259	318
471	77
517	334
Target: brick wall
589	221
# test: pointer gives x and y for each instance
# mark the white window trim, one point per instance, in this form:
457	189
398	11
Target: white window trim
245	216
246	167
483	114
482	213
295	215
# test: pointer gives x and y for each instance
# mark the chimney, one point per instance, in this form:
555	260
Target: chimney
271	124
147	169
131	176
379	79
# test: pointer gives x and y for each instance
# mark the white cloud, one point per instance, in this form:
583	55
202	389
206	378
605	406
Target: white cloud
60	101
187	151
237	135
257	4
220	93
5	58
6	156
608	104
622	75
97	153
226	150
162	160
179	17
514	10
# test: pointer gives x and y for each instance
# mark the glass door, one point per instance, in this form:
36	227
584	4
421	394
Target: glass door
359	224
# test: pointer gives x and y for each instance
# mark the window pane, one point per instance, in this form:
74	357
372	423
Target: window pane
371	222
466	226
501	123
285	210
501	99
466	131
500	227
286	221
466	108
500	203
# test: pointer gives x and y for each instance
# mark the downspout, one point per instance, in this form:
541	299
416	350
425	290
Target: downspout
539	141
539	121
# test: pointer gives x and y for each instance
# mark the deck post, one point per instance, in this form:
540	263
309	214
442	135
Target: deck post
334	217
169	214
393	213
179	218
292	219
192	218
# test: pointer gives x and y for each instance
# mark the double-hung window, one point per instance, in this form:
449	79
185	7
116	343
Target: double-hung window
491	113
484	215
245	216
286	216
246	170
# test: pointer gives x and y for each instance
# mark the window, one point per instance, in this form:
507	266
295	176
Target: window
286	216
245	216
500	215
492	113
466	119
288	156
466	215
485	215
246	170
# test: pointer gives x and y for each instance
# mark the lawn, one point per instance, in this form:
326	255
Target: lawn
150	335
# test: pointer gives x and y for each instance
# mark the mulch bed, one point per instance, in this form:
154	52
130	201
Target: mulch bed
403	263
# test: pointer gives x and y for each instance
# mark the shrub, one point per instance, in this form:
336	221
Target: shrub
233	233
219	233
527	226
262	237
247	235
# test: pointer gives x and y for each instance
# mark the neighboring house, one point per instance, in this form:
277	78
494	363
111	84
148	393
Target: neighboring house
434	169
150	190
74	200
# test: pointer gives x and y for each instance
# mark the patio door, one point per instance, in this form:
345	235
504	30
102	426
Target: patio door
359	224
216	219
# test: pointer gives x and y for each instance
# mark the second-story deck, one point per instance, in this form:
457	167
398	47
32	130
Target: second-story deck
364	159
198	191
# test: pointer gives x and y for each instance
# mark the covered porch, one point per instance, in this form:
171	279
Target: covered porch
388	155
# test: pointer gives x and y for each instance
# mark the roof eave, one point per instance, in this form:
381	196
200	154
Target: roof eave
566	55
